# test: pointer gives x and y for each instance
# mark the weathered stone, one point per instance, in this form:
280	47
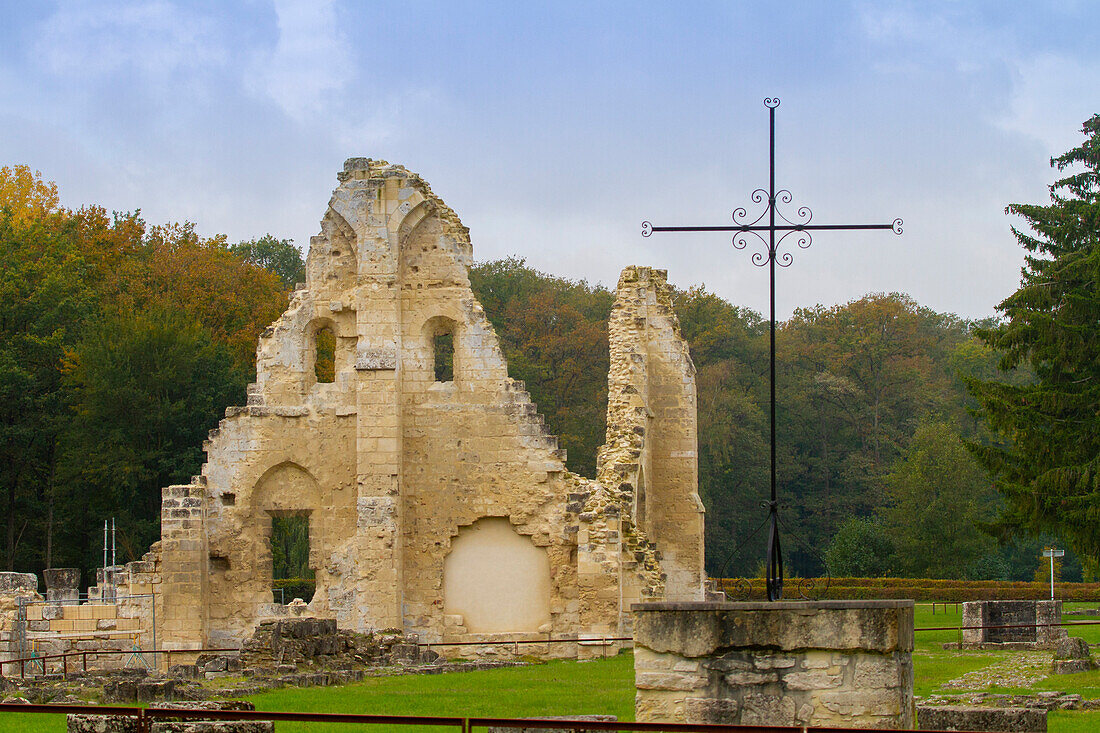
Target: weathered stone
711	711
747	679
765	709
953	717
128	724
183	671
698	629
421	483
1072	666
1012	624
668	681
831	664
154	690
62	584
14	584
213	726
101	724
1071	647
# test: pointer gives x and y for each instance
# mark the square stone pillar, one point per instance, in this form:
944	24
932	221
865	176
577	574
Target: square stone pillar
814	663
181	607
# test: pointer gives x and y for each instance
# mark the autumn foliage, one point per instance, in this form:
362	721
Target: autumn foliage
121	344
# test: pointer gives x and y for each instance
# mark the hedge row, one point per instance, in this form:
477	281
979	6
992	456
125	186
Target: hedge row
941	583
919	589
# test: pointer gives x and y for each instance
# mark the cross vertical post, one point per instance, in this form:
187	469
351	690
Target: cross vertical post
802	225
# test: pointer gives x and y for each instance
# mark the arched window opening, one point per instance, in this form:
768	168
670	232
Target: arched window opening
324	361
443	351
291	575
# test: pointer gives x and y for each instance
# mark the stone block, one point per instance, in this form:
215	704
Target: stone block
183	671
768	709
955	717
1071	647
154	690
812	680
668	681
1072	666
101	724
710	711
18	584
62	583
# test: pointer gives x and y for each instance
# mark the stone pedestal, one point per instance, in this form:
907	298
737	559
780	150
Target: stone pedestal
816	663
62	584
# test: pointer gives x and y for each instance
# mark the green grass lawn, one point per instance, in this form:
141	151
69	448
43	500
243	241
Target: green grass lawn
602	686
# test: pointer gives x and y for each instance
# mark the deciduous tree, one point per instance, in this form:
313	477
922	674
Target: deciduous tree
938	495
277	256
25	194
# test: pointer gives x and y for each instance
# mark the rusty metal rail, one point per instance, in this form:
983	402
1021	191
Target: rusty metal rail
509	642
23	662
1009	626
145	716
515	643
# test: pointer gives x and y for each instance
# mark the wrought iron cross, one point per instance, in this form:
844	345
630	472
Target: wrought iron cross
786	227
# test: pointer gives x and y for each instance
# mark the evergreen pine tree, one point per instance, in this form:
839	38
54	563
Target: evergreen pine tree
1048	468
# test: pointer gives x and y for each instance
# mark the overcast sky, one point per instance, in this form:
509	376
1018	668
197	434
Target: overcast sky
554	129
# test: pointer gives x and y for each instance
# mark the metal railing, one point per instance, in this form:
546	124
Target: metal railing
40	661
145	716
606	642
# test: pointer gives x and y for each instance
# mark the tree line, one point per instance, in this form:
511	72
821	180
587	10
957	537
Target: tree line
121	344
910	442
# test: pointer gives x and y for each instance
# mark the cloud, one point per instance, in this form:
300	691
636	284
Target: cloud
154	39
310	63
1051	96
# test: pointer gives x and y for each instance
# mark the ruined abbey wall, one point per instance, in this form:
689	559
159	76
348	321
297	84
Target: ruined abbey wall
440	506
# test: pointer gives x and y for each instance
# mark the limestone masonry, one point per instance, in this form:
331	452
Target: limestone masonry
437	502
818	663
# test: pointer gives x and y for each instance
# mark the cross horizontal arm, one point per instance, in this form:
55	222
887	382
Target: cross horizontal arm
777	227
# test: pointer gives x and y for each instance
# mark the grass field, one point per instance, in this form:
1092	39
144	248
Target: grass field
607	686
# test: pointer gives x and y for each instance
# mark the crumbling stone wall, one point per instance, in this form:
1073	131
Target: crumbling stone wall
391	465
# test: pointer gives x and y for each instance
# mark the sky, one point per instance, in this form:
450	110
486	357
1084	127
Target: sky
554	129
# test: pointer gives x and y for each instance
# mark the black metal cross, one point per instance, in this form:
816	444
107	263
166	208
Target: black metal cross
804	239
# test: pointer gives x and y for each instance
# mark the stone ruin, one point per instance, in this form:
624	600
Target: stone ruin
437	502
1027	624
66	622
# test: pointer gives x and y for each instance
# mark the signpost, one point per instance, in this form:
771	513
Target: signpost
776	222
1052	553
